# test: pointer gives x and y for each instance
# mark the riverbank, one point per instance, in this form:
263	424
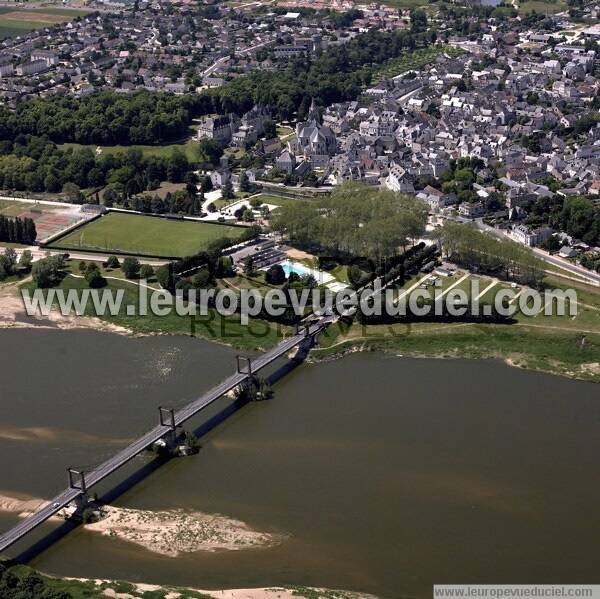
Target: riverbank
571	353
566	346
13	315
80	588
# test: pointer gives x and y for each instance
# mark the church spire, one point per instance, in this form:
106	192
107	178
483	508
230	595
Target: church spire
313	113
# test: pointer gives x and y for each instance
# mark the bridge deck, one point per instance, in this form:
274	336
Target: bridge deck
115	462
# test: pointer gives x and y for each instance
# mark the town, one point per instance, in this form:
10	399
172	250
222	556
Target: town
499	125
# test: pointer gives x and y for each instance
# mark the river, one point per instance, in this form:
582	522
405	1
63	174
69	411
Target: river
383	474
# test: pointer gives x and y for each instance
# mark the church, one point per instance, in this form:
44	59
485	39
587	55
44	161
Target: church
315	141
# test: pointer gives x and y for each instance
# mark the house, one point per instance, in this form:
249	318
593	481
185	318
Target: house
523	234
469	210
219	129
435	198
286	162
567	252
31	68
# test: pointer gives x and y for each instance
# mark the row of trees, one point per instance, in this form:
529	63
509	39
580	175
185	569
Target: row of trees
355	220
17	230
469	247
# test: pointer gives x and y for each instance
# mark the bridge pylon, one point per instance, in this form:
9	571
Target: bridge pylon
166	417
240	370
77	480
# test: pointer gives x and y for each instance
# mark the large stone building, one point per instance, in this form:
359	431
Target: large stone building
316	141
219	128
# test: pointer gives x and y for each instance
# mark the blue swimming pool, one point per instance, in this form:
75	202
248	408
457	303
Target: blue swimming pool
299	269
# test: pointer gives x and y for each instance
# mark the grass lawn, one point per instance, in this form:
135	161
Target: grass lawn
146	235
543	7
10	208
267	198
16	21
258	335
189	148
284	132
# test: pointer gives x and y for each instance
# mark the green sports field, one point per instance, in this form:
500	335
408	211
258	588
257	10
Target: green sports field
145	235
19	20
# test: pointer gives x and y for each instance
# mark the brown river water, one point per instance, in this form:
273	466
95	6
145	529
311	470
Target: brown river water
384	474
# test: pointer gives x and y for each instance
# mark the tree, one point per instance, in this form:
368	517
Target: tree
244	182
48	271
163	276
209	151
227	191
72	191
248	266
270	129
275	275
8	263
131	267
146	272
355	219
202	280
94	278
112	262
418	20
191	442
26	260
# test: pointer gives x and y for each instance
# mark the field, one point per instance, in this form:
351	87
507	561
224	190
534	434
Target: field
18	21
189	148
145	235
542	6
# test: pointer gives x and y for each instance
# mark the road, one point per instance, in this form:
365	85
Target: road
115	462
40	253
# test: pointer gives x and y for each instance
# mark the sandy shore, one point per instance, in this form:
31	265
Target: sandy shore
274	592
12	315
